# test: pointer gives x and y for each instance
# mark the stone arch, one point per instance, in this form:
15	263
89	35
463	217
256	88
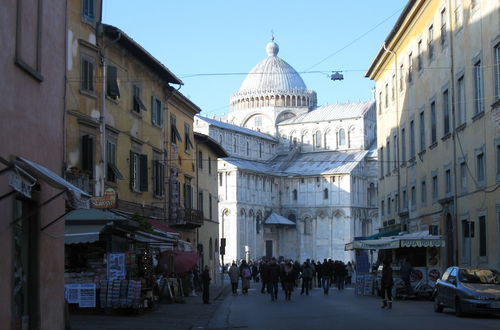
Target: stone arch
287	101
317	138
243	213
307	225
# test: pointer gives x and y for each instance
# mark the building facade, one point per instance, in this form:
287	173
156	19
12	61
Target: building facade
300	180
437	86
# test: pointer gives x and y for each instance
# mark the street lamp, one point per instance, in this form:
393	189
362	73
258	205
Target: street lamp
336	75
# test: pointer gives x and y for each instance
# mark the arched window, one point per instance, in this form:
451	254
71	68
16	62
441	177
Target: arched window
349	142
307	226
248	148
294	194
325	193
220	139
341	137
318	139
325	143
258	222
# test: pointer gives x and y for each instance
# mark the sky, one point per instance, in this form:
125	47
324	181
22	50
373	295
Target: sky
212	44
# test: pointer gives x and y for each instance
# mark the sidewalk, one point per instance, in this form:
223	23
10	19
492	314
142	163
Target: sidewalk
193	314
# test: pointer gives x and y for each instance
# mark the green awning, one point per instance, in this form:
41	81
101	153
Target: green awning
393	232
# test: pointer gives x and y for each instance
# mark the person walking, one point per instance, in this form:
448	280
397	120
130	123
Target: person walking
264	276
246	275
234	276
318	273
312	283
288	279
386	283
340	272
326	275
307	274
205	280
273	277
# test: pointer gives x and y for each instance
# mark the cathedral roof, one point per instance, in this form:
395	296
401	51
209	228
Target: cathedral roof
272	74
332	112
235	128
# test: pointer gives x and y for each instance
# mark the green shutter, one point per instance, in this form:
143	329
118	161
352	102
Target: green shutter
143	159
162	111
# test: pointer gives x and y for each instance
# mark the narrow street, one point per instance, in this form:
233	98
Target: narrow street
338	310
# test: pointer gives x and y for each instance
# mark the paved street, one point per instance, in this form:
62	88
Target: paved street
338	310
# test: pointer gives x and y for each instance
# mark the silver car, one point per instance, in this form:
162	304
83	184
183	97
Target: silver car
468	290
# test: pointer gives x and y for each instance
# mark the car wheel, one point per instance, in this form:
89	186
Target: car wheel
458	307
438	308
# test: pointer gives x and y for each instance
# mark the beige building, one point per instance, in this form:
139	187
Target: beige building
207	153
438	126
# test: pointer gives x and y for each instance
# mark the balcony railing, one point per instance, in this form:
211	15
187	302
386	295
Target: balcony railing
80	180
187	217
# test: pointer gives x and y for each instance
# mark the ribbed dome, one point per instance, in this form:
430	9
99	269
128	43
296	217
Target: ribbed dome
272	74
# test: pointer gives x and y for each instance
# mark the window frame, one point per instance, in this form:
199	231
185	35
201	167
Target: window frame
88	76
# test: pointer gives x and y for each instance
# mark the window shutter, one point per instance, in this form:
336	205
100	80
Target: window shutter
88	154
112	84
153	110
143	176
132	178
162	111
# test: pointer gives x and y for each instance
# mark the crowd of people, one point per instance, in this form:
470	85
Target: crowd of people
291	275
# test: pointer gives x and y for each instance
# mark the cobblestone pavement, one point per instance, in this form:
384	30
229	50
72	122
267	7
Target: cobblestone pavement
192	314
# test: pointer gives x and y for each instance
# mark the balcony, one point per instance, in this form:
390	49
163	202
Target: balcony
187	218
80	180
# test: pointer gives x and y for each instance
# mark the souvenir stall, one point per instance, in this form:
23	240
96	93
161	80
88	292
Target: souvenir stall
111	262
419	248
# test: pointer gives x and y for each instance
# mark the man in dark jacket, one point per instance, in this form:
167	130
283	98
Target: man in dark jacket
273	277
386	283
326	275
205	280
307	273
264	275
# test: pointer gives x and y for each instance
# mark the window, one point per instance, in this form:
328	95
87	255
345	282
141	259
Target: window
325	193
433	123
137	104
403	145
210	208
317	139
294	193
496	65
260	150
461	101
87	74
200	159
443	27
388	153
187	136
112	89
482	236
88	155
393	87
458	13
248	149
422	131
480	168
430	40
423	192
447	181
112	172
388	205
220	179
157	109
341	137
188	193
478	87
401	77
386	95
209	165
395	148
200	201
258	121
88	10
138	172
405	199
463	176
413	197
410	67
381	161
412	139
382	208
158	177
235	145
435	188
174	133
446	112
419	56
380	102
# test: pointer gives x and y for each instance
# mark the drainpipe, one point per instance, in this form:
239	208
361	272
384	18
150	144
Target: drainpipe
396	92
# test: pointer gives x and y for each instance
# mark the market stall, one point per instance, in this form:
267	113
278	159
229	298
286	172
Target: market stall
420	249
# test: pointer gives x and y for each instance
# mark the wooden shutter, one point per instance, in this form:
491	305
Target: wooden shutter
162	111
143	176
112	84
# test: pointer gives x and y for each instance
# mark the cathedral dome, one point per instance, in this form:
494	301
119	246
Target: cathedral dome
272	74
273	83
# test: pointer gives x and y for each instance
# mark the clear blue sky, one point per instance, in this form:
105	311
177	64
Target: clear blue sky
216	36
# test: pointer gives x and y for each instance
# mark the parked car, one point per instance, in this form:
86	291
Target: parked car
468	290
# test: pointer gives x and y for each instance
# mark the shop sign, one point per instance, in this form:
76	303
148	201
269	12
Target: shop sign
108	201
18	184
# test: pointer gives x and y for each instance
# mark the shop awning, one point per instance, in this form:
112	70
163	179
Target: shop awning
383	234
417	239
93	214
82	233
184	261
276	219
75	196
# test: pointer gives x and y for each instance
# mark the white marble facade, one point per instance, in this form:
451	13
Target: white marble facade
312	165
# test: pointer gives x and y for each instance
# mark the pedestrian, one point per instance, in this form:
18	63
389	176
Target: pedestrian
349	268
246	275
288	279
340	272
205	279
313	278
264	276
307	273
273	277
386	284
255	272
406	270
234	276
326	275
318	274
